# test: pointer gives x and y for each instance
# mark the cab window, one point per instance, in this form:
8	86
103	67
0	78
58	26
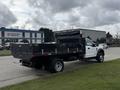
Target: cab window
89	42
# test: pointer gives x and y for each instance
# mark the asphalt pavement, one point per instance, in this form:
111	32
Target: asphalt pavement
11	72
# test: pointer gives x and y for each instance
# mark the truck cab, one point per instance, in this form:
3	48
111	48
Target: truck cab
93	50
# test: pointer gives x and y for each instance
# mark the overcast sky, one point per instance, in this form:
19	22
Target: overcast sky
61	14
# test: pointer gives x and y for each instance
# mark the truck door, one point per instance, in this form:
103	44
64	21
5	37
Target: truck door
91	49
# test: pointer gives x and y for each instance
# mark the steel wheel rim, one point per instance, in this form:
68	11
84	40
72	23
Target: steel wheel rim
58	66
101	58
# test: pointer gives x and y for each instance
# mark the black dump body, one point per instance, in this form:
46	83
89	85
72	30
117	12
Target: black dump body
28	51
68	45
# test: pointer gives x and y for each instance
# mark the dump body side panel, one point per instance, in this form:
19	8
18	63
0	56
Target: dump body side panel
29	51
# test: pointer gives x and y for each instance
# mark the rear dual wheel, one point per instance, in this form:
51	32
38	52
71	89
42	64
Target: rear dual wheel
55	66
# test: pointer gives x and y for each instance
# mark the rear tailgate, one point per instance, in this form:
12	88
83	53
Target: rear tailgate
21	51
28	51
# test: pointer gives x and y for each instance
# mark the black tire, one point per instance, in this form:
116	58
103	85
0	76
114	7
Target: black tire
100	57
56	65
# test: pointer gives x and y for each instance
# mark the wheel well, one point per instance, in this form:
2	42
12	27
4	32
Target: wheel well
101	51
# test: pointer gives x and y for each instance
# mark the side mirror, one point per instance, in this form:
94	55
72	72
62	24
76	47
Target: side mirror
94	45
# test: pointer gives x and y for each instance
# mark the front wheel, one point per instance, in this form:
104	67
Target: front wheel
100	57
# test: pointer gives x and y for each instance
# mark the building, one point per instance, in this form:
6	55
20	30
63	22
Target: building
19	35
92	34
42	35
